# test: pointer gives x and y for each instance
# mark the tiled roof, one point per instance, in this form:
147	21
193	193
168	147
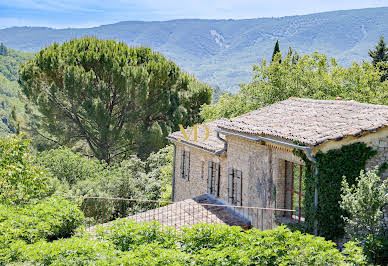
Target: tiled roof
311	122
212	143
201	209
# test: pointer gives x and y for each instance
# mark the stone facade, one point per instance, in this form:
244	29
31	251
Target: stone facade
265	171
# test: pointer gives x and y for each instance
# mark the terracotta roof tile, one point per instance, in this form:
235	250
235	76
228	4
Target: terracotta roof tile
310	122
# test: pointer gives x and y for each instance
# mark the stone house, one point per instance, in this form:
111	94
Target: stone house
246	159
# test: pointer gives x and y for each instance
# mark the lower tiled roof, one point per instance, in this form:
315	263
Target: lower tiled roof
201	209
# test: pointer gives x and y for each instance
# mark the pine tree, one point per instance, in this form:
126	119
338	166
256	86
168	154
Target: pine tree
380	53
3	50
276	50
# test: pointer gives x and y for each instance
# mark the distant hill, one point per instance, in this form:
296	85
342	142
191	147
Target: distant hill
9	89
221	52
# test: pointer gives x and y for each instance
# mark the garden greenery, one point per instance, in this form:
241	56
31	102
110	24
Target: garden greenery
347	161
125	242
364	203
21	179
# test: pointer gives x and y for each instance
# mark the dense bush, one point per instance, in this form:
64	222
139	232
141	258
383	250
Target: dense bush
49	220
364	203
21	179
70	167
128	243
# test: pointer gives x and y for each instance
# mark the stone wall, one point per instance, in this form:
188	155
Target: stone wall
381	145
198	174
263	171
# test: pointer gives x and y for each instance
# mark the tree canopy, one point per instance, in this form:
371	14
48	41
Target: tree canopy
276	50
115	99
380	53
310	76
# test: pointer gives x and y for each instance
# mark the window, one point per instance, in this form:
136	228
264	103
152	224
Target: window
202	169
235	187
294	187
213	179
185	165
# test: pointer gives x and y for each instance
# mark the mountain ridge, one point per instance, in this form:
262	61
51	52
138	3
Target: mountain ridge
222	52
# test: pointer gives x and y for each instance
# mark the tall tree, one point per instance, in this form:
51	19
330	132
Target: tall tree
311	76
3	50
115	99
276	50
380	58
380	53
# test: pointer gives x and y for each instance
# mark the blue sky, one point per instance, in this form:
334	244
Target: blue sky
88	13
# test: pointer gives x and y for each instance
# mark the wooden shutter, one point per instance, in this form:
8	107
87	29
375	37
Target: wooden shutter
209	178
187	165
230	185
183	164
217	183
239	188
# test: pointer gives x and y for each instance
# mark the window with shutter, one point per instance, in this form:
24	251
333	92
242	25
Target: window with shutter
235	187
213	181
185	165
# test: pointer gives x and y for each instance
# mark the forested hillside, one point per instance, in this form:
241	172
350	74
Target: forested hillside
221	52
10	60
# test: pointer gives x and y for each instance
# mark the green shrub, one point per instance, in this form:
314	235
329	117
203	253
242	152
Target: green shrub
127	235
153	254
73	251
204	236
21	180
364	203
125	242
69	166
50	219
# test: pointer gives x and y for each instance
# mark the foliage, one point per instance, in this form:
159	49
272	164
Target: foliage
380	58
50	219
69	166
21	180
127	235
159	167
380	53
311	76
9	100
87	177
276	50
74	251
364	203
347	161
130	243
114	98
3	50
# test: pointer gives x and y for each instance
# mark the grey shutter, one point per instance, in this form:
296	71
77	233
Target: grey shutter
217	183
187	166
183	164
230	186
209	178
239	188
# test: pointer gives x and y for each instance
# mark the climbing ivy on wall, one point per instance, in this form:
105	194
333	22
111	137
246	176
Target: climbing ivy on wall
347	161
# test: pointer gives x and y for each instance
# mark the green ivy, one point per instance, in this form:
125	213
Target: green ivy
347	161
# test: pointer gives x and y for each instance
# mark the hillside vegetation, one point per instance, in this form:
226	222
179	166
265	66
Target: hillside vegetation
222	52
9	65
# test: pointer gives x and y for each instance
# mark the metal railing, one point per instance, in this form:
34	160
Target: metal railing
101	211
